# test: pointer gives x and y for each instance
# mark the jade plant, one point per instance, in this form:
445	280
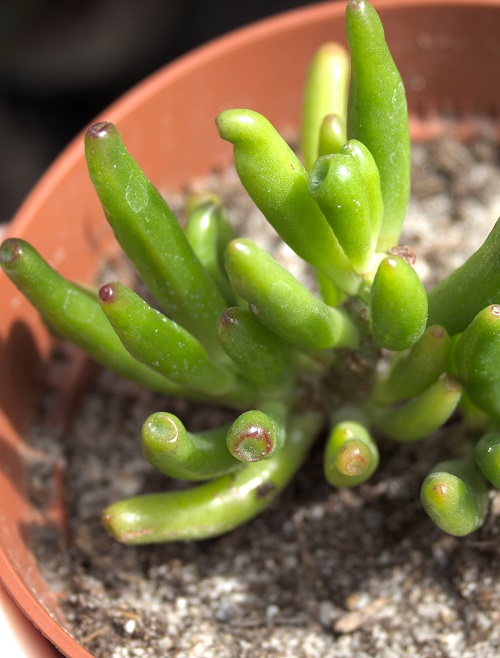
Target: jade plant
227	324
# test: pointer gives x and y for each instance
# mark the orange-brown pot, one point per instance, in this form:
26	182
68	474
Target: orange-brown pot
448	52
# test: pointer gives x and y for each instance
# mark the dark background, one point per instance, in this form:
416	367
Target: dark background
63	61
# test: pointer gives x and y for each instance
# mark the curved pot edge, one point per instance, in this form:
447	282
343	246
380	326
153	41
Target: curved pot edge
116	111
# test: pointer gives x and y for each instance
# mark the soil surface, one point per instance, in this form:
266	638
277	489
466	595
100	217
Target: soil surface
323	572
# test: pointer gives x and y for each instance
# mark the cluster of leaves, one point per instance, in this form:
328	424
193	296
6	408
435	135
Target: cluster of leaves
236	328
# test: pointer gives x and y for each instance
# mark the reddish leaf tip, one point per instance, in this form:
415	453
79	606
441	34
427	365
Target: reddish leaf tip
495	309
11	250
252	444
99	129
106	293
227	319
438	331
353	458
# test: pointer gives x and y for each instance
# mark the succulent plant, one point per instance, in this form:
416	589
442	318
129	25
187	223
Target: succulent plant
229	325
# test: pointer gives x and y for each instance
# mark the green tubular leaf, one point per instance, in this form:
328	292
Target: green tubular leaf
455	496
172	450
258	434
477	356
369	173
423	414
475	419
208	232
398	305
485	397
416	370
488	457
151	236
263	358
332	135
339	190
377	114
277	182
283	304
74	313
330	292
351	455
456	300
451	366
325	93
216	507
162	344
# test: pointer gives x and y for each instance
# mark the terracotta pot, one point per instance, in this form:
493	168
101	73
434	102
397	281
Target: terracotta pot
448	52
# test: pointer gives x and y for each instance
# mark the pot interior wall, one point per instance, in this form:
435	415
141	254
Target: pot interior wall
449	56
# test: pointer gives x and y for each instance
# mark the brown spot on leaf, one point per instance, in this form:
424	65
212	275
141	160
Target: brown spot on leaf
405	252
264	489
